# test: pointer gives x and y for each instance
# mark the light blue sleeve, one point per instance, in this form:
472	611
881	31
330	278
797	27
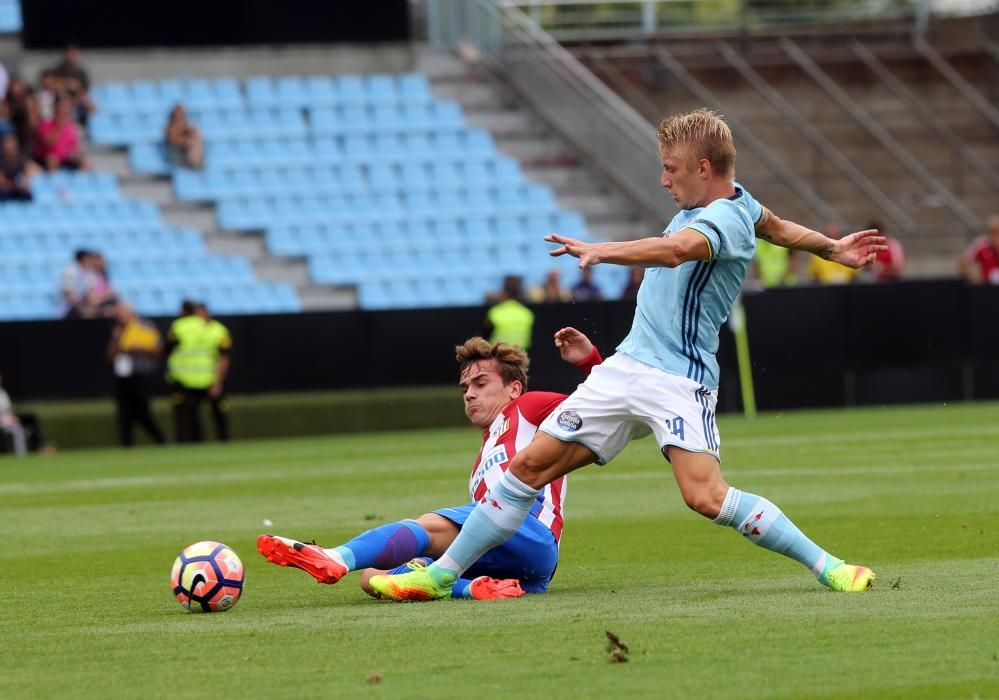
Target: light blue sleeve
727	226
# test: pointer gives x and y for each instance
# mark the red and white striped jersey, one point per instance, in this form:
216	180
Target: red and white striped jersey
513	428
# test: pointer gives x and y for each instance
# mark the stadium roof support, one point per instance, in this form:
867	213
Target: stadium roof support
968	92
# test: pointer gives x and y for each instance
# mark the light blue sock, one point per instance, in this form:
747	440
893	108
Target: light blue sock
491	523
386	546
764	524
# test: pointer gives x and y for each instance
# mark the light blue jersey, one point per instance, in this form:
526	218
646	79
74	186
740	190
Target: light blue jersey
681	309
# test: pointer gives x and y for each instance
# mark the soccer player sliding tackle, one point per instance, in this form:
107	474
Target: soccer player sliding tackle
493	381
664	377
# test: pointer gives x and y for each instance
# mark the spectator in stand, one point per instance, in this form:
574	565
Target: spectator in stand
10	426
4	79
22	112
102	300
890	262
71	79
979	264
15	169
508	320
134	352
551	290
635	277
183	140
57	140
826	271
48	90
585	289
74	283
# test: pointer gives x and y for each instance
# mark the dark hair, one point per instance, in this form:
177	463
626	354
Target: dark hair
188	307
80	254
511	361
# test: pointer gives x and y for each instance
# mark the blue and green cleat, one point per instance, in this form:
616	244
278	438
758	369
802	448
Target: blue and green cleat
414	585
847	578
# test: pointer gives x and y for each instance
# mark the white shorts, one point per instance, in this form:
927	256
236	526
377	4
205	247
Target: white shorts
624	399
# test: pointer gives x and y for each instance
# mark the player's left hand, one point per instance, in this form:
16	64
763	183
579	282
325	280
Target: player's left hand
858	249
573	345
588	253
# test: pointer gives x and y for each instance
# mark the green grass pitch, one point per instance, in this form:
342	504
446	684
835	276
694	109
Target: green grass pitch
89	538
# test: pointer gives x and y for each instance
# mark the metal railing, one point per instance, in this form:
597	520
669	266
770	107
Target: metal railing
817	139
583	20
745	136
928	117
596	120
915	168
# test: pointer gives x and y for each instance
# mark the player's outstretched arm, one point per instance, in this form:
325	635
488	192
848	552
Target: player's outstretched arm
645	252
856	250
573	345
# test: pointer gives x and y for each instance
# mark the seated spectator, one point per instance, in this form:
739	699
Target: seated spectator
82	290
979	264
584	289
826	271
70	78
635	277
22	112
4	79
57	140
551	290
888	265
45	96
21	430
102	301
15	169
183	139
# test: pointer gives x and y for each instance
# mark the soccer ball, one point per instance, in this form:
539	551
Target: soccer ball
207	577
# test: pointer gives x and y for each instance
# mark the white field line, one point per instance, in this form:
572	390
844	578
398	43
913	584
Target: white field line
15	488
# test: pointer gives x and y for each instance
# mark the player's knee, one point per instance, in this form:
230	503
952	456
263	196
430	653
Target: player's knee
704	500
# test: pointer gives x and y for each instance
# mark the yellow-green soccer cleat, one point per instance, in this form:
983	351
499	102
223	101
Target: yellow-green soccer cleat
414	585
848	578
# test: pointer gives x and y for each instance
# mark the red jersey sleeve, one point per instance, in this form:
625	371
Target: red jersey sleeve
536	405
590	361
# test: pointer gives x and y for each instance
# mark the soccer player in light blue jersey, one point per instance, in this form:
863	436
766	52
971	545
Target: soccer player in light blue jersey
664	377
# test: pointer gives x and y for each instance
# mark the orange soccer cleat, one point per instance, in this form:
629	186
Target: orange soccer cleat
308	557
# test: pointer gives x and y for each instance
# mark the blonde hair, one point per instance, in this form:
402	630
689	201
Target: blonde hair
511	361
700	134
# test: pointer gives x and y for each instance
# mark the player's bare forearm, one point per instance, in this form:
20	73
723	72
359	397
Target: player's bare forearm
855	250
644	252
788	234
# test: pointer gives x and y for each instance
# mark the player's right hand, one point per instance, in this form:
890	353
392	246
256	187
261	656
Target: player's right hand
573	345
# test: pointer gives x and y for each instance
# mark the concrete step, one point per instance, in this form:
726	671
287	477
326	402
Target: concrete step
149	189
109	160
316	297
187	215
246	245
284	270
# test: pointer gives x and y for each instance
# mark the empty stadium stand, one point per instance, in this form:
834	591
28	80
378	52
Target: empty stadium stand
371	179
152	264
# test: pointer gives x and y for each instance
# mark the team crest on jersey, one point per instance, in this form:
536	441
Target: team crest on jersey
501	430
569	421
